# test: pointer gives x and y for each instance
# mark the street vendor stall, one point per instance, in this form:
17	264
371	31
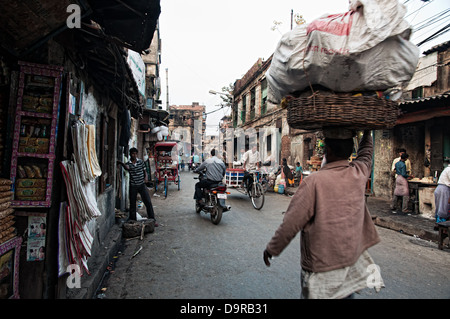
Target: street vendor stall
418	186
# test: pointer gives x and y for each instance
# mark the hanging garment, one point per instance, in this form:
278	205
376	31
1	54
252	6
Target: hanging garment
93	161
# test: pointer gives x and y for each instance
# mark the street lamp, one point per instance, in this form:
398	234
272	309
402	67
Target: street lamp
231	97
221	93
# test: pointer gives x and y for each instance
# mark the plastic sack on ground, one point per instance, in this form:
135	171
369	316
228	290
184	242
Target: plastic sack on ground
366	48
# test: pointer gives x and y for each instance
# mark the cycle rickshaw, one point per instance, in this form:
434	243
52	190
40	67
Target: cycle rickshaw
234	177
166	162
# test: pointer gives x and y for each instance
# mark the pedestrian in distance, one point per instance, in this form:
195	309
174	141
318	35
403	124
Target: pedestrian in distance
298	173
397	159
138	178
442	196
401	184
289	177
336	228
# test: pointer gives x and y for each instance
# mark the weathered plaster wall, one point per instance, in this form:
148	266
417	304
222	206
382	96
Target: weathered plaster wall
384	154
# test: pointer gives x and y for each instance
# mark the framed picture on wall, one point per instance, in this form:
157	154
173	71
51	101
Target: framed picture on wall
9	268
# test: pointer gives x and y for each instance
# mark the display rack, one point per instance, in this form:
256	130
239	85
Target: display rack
234	176
35	130
9	277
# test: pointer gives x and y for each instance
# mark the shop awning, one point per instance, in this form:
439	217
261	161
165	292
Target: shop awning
25	25
423	109
96	48
133	22
104	64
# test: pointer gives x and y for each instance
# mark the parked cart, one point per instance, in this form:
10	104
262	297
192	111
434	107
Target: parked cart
166	162
234	178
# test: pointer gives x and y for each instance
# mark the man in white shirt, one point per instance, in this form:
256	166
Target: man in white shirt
407	162
251	161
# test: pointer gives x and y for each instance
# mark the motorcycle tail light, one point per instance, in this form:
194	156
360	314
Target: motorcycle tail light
221	189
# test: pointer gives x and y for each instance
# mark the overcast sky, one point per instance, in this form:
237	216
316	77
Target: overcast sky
208	44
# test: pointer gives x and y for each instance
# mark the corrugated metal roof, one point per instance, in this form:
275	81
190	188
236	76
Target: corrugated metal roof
440	47
440	97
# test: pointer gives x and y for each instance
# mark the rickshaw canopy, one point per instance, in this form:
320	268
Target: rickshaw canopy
165	146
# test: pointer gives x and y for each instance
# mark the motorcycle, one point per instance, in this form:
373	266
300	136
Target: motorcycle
214	200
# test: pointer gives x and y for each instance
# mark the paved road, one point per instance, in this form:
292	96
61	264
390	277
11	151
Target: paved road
188	257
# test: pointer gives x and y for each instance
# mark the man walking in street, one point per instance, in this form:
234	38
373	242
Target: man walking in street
336	227
138	176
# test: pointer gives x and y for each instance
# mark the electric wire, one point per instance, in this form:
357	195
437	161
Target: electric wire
437	20
435	35
431	20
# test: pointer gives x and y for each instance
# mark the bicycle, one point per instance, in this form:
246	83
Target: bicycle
255	190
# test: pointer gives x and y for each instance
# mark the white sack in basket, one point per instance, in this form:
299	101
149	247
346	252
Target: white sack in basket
366	48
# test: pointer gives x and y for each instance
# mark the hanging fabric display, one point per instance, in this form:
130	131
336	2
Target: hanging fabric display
93	161
81	209
80	155
79	176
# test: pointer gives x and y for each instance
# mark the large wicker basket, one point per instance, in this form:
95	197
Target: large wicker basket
318	110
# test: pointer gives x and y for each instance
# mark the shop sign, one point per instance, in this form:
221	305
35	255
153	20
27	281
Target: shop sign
137	67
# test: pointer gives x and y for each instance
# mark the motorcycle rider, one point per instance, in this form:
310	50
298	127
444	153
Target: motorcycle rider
215	172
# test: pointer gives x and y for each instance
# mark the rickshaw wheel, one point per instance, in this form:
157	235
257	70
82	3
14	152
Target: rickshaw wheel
165	186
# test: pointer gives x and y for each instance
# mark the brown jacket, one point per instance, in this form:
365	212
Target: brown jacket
330	211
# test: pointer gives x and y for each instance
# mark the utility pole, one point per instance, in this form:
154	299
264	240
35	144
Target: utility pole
292	17
167	89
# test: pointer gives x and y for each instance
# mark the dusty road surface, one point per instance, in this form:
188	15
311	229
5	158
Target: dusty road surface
187	257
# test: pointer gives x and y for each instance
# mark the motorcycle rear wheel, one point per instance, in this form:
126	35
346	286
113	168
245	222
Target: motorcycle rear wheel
216	214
